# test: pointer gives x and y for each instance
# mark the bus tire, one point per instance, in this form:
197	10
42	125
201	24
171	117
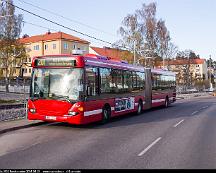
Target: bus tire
140	107
106	114
166	105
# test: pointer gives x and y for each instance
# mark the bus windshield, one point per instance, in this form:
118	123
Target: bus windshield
57	84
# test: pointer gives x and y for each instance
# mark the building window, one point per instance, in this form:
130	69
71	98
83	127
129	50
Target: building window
29	59
29	70
46	46
36	47
25	70
54	46
74	46
65	46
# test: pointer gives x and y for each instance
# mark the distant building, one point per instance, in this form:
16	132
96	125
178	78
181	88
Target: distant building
50	44
195	68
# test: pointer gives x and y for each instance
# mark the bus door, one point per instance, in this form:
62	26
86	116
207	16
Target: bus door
148	89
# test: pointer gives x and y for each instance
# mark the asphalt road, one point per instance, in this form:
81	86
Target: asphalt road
181	136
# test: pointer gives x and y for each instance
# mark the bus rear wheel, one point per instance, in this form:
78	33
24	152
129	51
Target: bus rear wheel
106	114
166	105
139	109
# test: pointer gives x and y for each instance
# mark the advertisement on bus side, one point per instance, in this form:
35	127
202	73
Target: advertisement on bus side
124	104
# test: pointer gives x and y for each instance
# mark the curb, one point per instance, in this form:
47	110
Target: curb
33	124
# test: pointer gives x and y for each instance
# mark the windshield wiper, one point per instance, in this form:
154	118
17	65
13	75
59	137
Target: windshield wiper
66	98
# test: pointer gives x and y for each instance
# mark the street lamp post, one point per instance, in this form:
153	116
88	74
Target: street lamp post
146	58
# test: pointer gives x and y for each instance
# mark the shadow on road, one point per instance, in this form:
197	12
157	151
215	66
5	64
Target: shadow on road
148	116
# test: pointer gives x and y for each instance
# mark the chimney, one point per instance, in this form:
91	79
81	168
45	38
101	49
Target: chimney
25	36
48	32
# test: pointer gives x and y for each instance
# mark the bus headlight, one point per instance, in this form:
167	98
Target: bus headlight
32	110
72	113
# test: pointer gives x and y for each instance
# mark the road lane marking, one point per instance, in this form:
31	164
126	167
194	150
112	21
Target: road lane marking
194	112
178	123
150	146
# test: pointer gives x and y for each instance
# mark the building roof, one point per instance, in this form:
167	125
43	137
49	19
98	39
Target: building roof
111	52
186	61
51	36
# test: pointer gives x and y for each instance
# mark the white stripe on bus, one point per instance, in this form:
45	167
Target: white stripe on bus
158	100
98	111
94	112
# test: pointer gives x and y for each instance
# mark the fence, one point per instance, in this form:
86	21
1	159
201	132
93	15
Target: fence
13	104
16	86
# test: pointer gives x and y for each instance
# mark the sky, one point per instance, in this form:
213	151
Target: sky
191	23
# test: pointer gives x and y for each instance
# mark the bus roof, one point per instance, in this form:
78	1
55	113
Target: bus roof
101	61
163	71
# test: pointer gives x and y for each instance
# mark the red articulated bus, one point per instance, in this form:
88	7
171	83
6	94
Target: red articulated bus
83	89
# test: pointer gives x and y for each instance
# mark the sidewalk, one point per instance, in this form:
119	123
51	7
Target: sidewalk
192	95
7	126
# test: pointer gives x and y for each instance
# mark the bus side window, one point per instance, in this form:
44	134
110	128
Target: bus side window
106	80
92	88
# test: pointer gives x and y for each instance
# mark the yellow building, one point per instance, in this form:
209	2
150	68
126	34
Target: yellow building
195	68
51	44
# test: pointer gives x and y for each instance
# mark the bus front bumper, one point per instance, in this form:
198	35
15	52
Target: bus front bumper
66	118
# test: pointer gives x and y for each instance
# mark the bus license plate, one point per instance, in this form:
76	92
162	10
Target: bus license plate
50	118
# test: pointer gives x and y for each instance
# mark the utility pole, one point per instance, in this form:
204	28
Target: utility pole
134	52
163	63
210	74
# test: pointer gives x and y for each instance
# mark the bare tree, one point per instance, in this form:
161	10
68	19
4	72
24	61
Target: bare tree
131	35
163	38
150	35
12	52
148	24
170	53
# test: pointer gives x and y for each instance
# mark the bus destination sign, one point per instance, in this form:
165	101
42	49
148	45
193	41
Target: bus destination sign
63	62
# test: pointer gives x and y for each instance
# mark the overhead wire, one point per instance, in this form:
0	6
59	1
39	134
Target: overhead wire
59	15
63	26
39	26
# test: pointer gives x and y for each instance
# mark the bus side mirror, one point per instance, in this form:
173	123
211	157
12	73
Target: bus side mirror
88	90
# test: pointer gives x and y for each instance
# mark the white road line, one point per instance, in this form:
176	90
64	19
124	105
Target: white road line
205	107
178	123
151	145
194	112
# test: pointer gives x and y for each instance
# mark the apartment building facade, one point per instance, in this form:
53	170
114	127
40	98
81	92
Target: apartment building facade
196	69
51	44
